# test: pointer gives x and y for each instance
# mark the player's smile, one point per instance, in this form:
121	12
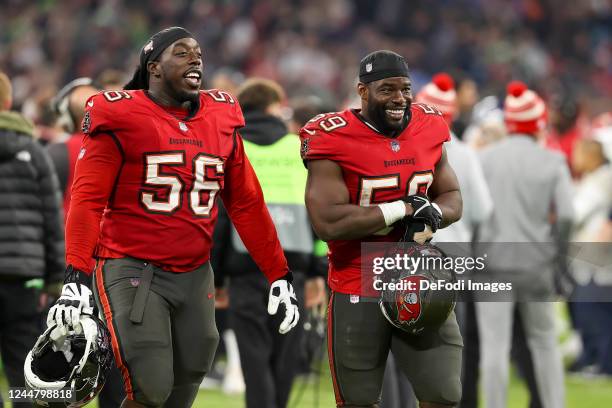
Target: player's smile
193	78
395	113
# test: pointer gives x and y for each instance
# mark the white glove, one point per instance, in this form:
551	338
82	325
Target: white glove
76	299
282	291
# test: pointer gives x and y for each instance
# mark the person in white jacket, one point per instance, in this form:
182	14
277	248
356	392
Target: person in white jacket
531	190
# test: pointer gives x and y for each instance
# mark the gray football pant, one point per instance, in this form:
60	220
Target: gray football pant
162	326
495	331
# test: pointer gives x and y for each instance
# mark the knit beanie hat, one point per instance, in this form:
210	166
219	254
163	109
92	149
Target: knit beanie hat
440	93
524	110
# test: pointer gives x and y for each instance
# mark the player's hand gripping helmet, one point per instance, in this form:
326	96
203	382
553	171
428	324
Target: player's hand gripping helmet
410	305
79	362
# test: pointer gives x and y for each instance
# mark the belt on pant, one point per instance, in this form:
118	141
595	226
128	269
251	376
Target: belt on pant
142	293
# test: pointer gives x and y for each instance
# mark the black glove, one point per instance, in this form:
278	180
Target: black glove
425	211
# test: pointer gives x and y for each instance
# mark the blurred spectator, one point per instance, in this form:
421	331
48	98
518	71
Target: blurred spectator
605	235
602	132
227	80
269	360
111	79
592	203
37	108
478	205
487	124
593	193
467	96
69	106
32	239
305	108
566	128
525	181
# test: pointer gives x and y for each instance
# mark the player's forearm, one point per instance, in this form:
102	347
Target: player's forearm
346	221
94	178
451	205
82	231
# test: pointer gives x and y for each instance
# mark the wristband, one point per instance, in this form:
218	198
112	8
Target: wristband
74	275
393	211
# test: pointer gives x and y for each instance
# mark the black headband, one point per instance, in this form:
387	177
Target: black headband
151	51
382	64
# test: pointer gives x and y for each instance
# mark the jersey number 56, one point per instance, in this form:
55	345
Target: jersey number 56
173	185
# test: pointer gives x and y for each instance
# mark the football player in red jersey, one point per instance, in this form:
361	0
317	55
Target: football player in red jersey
367	170
153	161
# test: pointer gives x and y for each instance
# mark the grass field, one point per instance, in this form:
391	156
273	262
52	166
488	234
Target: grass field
317	392
581	393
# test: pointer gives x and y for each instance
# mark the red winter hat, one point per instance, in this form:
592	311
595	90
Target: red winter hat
440	93
524	110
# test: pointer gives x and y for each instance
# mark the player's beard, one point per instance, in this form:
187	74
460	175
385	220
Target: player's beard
379	117
181	95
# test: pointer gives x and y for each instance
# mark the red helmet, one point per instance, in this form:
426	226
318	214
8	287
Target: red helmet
411	305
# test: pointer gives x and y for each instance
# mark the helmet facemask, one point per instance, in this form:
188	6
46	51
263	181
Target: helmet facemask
78	361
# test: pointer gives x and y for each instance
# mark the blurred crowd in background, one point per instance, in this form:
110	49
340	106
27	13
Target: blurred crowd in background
312	49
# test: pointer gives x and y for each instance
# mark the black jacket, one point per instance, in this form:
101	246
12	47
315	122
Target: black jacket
261	129
31	224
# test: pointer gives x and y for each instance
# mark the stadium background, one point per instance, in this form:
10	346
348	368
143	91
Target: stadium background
313	48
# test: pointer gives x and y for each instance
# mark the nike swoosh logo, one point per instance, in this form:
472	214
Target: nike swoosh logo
310	132
90	104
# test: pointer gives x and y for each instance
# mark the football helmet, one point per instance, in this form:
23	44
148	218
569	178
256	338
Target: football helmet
78	361
410	305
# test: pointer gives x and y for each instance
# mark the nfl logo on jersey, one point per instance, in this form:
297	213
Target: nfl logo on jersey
395	146
183	126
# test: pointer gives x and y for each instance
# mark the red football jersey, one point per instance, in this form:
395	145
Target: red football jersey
376	169
161	204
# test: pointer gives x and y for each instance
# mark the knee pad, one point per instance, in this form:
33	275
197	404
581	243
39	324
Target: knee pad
444	394
153	391
209	348
183	396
